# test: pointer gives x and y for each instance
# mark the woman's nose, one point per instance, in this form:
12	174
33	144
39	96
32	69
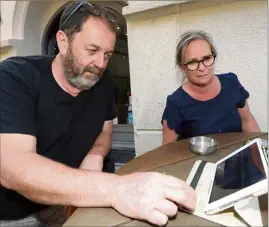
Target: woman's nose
201	66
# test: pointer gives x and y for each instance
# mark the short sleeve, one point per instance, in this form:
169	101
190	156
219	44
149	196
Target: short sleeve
173	116
111	109
17	104
243	94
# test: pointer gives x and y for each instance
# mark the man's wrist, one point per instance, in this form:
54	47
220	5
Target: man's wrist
98	150
92	162
96	155
113	191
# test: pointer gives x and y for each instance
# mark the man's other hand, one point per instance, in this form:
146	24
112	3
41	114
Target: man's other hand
93	162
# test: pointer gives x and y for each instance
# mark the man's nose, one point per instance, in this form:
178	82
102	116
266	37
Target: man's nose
100	61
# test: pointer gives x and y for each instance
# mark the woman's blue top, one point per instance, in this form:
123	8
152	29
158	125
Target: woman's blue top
190	117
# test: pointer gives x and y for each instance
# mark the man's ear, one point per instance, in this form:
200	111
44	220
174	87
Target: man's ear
62	42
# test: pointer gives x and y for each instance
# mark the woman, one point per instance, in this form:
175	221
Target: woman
207	103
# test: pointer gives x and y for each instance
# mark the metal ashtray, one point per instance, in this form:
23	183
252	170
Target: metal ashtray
202	145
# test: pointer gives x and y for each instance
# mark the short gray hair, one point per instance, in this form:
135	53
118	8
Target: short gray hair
188	37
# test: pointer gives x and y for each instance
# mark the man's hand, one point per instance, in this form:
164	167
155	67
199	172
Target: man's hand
95	158
152	196
93	162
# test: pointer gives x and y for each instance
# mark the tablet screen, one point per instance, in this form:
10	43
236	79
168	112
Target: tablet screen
237	172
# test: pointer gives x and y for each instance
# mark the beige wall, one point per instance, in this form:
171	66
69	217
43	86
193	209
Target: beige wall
240	33
140	6
7	10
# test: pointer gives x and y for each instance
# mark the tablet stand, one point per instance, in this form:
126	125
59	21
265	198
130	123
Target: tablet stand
249	211
244	213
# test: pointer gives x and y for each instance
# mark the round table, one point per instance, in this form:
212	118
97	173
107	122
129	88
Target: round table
174	159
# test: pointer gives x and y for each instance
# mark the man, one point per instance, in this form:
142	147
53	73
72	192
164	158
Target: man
56	126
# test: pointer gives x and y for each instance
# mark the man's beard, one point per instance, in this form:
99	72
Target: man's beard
75	73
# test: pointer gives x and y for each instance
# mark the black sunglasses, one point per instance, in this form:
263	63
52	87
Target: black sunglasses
95	10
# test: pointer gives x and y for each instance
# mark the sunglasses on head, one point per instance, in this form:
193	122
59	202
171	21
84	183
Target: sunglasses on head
94	10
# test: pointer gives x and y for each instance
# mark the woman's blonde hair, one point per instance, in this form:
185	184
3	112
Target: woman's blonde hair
188	37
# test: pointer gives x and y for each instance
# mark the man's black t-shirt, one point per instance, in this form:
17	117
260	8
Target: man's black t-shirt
66	127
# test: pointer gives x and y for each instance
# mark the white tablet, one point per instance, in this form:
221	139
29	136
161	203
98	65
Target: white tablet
240	175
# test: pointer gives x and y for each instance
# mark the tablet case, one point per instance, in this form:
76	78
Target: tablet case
244	213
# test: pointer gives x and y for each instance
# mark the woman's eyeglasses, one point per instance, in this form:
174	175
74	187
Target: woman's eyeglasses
207	61
94	10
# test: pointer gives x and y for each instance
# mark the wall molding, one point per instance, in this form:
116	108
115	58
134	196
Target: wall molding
163	8
19	18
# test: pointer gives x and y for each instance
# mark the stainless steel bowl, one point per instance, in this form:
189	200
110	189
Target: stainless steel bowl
202	145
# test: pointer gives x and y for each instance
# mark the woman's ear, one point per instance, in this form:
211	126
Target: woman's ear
62	42
182	68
